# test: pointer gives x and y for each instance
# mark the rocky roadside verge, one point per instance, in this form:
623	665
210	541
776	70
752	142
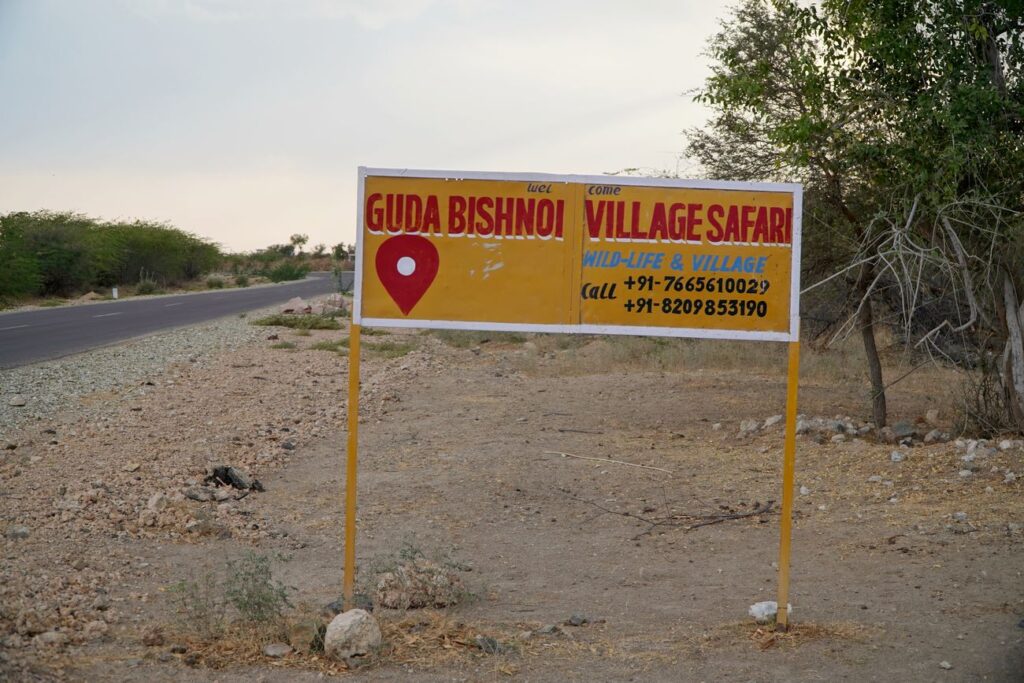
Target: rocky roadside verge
124	443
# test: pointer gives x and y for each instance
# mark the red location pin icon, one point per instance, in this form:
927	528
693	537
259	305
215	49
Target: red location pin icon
406	266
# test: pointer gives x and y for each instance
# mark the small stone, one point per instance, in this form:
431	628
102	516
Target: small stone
16	401
766	611
199	493
548	629
717	426
10	446
577	620
132	467
153	636
945	665
489	645
823	507
960	516
333	608
773	420
352	635
838	438
804	490
50	639
903	429
875	479
965	474
968	457
95	629
277	650
749	427
1009	478
288	446
933	436
897	456
17	532
1005	445
178	649
932	417
156	502
221	495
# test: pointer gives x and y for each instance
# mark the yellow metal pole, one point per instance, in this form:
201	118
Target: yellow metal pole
350	468
788	466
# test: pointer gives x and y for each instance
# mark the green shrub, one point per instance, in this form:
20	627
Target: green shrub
300	322
283	345
214	283
252	590
242	280
288	271
147	287
390	349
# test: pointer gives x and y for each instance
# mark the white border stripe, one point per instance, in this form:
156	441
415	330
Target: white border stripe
795	189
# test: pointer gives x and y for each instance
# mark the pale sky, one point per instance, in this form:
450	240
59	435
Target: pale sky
244	121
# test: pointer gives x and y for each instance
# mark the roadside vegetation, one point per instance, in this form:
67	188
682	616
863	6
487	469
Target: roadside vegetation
44	254
48	257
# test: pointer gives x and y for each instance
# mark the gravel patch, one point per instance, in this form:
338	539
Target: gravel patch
53	386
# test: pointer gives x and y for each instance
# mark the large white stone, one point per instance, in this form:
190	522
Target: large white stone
352	634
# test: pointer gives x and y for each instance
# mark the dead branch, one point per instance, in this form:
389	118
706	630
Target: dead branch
616	462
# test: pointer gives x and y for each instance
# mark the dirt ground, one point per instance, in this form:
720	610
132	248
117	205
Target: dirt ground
462	442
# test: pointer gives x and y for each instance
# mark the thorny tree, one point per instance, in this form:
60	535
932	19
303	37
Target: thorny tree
903	119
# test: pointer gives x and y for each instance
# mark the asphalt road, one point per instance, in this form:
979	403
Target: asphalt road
33	336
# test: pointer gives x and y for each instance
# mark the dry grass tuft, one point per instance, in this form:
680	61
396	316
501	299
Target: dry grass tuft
765	637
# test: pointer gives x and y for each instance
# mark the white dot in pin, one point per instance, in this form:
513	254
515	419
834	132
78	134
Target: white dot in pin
406	266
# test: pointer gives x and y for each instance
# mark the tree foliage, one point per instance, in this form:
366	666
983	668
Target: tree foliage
903	120
46	253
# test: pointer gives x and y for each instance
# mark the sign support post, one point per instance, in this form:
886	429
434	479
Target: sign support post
788	467
350	468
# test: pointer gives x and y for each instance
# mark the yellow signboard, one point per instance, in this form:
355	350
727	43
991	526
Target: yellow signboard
587	254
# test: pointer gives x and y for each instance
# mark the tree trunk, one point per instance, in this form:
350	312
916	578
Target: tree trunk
866	323
1012	367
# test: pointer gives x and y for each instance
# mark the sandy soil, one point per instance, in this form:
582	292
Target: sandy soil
460	458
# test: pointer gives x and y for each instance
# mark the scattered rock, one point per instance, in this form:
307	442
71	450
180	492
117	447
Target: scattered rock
226	475
199	493
153	636
875	479
132	467
960	516
352	635
804	491
838	438
933	436
296	306
577	620
965	474
945	665
17	532
773	420
156	502
903	429
51	639
897	456
765	612
333	609
95	629
748	427
277	650
488	645
548	630
1009	478
419	583
932	417
717	426
16	401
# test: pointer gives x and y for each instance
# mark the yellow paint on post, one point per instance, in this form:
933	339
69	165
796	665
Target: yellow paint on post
788	469
351	464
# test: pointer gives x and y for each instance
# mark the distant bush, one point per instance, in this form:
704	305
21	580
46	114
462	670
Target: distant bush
214	283
242	280
46	254
288	271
